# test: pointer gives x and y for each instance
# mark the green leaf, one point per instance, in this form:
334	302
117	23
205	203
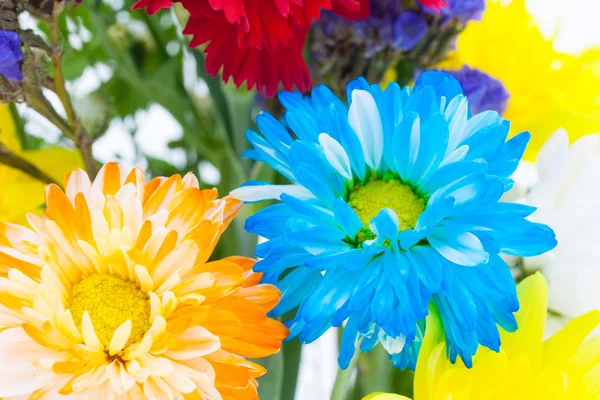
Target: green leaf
215	86
73	65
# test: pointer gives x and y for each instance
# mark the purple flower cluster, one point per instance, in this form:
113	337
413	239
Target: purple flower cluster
10	55
392	24
389	25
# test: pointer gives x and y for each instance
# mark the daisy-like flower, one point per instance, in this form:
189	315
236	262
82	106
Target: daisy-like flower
564	367
566	195
111	295
394	202
259	42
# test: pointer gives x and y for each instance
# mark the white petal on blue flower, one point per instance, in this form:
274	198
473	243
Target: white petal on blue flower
270	192
456	115
462	248
481	121
457	155
468	188
336	155
392	345
364	118
433	143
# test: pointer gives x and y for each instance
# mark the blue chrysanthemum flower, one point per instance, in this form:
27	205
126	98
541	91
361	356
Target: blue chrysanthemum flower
10	55
394	202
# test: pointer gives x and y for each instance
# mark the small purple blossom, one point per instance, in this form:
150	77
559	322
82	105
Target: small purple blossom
10	55
483	91
409	29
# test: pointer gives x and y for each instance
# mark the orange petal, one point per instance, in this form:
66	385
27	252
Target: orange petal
266	296
258	340
83	219
229	277
60	210
162	194
248	393
245	262
108	179
223	323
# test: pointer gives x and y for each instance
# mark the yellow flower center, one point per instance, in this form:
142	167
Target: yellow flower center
368	199
110	301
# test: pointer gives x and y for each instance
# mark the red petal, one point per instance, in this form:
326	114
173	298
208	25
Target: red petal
436	5
152	6
352	9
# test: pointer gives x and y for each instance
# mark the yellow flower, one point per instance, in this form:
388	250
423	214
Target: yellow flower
548	89
111	295
564	367
20	192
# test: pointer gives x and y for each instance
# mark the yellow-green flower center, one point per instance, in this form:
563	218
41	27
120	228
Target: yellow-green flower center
370	198
110	301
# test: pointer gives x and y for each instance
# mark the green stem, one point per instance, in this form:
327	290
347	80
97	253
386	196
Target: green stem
59	79
341	388
380	370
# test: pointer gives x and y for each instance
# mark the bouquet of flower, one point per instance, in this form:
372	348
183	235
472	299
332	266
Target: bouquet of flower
296	199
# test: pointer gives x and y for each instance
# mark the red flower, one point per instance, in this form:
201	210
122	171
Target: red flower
258	41
435	5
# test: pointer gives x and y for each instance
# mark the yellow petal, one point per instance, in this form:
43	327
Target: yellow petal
561	347
120	337
426	364
137	349
531	317
89	335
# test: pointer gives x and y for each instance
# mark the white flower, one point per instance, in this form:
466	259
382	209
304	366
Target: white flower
567	195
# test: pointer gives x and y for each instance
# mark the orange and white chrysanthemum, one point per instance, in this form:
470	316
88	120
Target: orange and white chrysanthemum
111	295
